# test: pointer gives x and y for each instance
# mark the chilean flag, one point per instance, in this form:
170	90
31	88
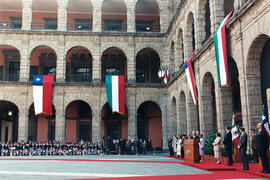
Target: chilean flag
190	78
42	94
115	88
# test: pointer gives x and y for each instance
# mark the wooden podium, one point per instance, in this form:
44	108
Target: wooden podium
191	151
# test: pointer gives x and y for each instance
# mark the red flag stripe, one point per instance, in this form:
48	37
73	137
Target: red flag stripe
47	94
192	79
121	91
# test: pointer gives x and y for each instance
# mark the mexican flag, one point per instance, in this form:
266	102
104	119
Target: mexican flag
115	88
221	51
234	131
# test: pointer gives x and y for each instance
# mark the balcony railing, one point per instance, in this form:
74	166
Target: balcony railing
114	27
44	26
10	77
10	25
147	28
79	26
140	79
78	78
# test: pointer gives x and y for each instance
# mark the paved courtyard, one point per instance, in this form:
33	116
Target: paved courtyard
85	167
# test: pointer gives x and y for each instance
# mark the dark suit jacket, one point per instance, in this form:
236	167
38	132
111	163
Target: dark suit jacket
228	140
261	141
243	141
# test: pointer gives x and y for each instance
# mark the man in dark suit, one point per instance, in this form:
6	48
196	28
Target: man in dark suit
228	145
243	148
262	145
170	146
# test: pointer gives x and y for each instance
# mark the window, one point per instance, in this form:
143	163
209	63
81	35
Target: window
33	71
112	25
14	71
83	24
50	23
1	72
16	22
82	74
144	26
112	72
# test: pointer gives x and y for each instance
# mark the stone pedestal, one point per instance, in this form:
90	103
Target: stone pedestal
191	151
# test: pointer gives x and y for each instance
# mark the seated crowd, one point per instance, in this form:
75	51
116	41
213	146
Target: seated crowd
52	148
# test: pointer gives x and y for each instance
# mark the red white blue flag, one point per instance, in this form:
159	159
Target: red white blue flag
265	125
42	94
190	78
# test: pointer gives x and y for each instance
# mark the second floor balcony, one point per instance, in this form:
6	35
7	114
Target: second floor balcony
44	26
114	27
10	25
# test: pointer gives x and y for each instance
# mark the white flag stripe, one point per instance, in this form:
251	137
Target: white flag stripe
190	85
38	99
115	94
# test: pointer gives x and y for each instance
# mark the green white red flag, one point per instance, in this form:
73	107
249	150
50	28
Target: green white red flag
234	131
115	88
221	51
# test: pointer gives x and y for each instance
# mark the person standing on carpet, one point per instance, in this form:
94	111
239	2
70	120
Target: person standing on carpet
253	145
217	147
201	147
262	145
243	148
228	145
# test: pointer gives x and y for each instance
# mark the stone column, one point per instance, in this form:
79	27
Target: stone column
218	13
25	59
96	118
163	16
165	121
60	120
61	60
23	120
26	15
97	15
131	16
132	114
96	62
131	62
62	16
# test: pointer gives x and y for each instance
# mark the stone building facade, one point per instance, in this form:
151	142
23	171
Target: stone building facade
184	25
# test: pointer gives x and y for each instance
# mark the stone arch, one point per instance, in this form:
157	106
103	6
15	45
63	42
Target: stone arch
10	59
79	65
142	10
173	118
203	16
192	115
147	66
78	116
41	128
253	78
42	12
180	47
182	110
113	62
79	15
9	121
149	122
43	60
172	57
208	105
189	35
114	15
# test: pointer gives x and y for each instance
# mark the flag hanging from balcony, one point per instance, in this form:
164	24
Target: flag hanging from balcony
221	51
190	78
115	88
42	94
234	131
265	125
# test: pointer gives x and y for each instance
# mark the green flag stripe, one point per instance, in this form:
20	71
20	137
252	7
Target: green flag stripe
108	80
217	54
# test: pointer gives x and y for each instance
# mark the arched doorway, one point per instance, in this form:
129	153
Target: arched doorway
79	65
147	66
43	62
182	114
11	14
78	122
79	15
44	15
113	124
41	128
9	63
208	104
113	62
114	15
9	121
147	16
149	123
